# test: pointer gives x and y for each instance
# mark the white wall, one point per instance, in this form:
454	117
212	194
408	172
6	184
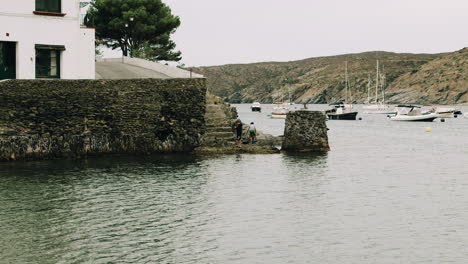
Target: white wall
27	29
87	63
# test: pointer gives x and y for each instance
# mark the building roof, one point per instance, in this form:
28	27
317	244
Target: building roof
133	68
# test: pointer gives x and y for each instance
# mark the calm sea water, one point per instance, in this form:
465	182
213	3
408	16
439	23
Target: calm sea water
387	192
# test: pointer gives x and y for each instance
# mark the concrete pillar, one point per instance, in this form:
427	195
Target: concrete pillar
305	131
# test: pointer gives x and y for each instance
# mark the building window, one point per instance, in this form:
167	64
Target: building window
48	61
7	60
49	6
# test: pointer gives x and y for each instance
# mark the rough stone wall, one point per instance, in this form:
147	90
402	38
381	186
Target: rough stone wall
41	119
305	131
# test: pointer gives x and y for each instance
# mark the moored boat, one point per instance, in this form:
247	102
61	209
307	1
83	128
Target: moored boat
341	111
412	113
256	107
443	112
280	110
379	109
379	106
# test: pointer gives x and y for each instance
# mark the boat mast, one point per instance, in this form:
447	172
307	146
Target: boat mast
383	84
368	88
346	81
377	82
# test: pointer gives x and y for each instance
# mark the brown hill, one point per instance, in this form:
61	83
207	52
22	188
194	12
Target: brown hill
321	80
442	81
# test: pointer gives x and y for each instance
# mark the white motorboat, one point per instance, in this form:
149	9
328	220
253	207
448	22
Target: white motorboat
280	110
256	107
412	113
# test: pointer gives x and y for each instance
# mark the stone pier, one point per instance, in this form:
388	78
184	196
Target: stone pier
305	131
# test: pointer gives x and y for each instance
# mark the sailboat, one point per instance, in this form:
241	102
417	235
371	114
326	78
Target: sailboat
341	110
281	109
379	106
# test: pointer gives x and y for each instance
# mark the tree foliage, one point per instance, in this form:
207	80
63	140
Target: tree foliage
140	28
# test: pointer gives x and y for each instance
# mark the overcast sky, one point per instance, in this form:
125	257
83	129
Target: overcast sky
216	32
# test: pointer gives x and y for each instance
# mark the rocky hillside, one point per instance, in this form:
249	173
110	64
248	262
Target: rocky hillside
442	81
418	78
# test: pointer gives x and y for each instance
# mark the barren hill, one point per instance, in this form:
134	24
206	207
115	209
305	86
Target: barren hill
442	81
321	80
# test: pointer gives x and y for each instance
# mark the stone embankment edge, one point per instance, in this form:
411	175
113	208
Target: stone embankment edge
49	119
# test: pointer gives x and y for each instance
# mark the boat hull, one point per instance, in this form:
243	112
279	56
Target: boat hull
343	116
280	110
282	116
387	112
419	118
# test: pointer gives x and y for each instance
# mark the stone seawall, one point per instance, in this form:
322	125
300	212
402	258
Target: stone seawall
43	119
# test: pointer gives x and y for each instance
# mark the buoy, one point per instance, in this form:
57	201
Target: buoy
442	120
428	129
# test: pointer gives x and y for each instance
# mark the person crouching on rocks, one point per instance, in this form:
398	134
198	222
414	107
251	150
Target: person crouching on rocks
252	133
238	126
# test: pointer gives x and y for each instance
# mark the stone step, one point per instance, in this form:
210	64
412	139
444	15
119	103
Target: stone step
219	138
217	143
215	116
209	116
215	108
216	123
218	129
224	135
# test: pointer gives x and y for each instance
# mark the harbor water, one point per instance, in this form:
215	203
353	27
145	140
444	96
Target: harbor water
387	192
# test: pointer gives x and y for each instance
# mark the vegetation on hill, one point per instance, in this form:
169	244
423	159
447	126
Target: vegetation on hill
322	80
442	81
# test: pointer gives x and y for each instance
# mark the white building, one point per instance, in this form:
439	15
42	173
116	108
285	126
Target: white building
44	39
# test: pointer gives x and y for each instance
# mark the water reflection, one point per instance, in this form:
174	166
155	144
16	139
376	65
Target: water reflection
74	210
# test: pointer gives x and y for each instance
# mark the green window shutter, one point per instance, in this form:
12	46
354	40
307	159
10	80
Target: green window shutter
40	5
49	5
54	5
7	60
42	63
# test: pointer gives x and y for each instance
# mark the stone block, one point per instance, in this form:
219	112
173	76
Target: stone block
305	131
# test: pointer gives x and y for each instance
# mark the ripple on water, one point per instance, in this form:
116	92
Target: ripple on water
386	193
